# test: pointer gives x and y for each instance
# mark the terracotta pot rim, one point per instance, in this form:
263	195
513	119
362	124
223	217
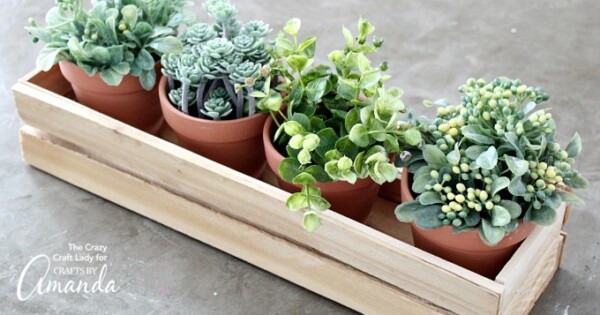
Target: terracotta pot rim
335	185
162	87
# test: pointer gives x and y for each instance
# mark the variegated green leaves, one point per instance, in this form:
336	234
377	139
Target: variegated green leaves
340	124
113	39
491	161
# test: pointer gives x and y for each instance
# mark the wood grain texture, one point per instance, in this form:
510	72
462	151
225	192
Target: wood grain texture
380	253
302	266
189	175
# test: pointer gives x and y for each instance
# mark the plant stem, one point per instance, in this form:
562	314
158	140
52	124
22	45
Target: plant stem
171	83
200	97
239	105
184	98
231	92
251	100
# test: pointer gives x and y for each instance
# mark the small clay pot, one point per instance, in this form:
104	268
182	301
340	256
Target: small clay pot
466	249
128	102
353	201
233	143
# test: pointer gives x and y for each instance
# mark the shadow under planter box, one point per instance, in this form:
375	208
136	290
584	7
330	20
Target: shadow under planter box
372	267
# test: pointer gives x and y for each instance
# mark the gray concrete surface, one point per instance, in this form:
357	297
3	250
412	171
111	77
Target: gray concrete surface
432	48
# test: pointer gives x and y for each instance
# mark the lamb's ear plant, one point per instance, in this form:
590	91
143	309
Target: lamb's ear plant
491	161
228	57
340	122
114	38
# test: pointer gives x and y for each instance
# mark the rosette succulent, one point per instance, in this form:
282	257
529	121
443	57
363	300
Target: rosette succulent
341	123
490	162
225	56
114	38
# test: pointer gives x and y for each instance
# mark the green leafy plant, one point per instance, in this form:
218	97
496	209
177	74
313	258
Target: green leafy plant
226	56
490	161
339	124
114	38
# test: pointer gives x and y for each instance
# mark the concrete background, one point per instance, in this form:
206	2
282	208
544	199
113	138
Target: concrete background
432	48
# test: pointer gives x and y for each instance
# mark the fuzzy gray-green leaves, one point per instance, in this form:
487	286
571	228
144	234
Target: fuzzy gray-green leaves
112	38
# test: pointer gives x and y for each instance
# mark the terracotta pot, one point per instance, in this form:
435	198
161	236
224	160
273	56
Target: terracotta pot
233	143
353	201
466	249
128	102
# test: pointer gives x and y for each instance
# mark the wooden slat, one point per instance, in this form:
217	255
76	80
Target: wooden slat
218	187
304	267
523	295
518	273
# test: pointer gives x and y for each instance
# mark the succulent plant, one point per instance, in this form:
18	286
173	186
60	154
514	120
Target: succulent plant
489	162
217	108
114	38
340	124
226	56
176	95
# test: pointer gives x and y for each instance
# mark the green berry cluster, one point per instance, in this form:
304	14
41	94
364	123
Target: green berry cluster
490	161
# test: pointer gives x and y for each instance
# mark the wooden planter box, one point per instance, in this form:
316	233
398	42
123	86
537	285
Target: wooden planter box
372	268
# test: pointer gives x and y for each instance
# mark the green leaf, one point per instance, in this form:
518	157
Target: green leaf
434	156
111	77
348	37
430	198
292	26
144	60
517	187
388	171
498	184
304	157
296	202
500	216
405	212
302	120
391	143
512	138
289	168
304	178
420	182
292	128
454	156
427	217
283	46
308	46
297	62
412	137
474	151
347	147
148	79
129	15
544	216
364	29
166	45
488	159
490	234
474	135
47	58
472	218
315	89
578	182
574	146
311	221
318	172
512	207
566	196
368	80
347	88
517	166
327	140
351	119
258	94
359	135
